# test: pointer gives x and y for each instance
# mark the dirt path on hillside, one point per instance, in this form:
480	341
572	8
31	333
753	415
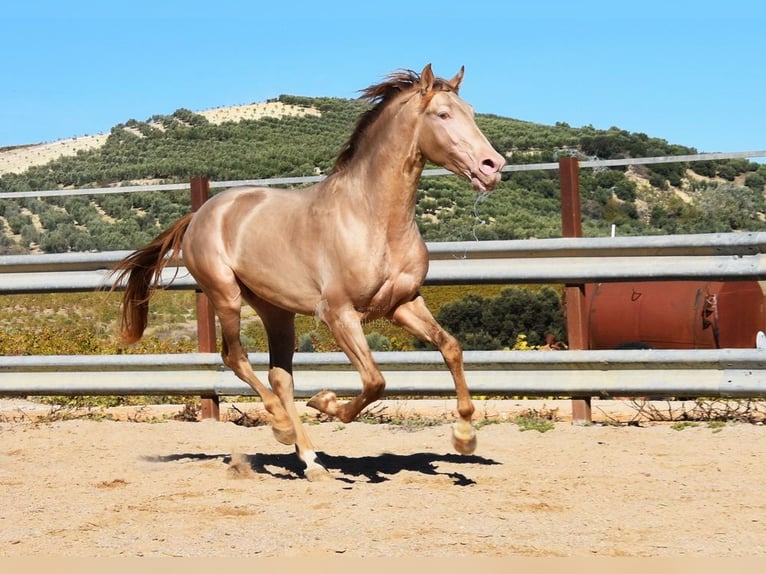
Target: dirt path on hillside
108	488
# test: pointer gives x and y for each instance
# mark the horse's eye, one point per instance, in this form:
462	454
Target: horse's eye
444	115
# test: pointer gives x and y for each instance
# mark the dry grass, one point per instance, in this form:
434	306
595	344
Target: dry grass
700	410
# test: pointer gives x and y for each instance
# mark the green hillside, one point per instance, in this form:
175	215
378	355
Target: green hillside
667	198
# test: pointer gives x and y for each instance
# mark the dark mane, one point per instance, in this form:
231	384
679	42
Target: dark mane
380	95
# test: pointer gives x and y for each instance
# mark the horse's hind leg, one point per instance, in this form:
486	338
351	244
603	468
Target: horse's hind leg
226	298
280	329
415	317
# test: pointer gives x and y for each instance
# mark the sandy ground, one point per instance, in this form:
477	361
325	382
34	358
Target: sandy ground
91	488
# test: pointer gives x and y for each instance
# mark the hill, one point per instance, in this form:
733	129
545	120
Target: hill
20	158
293	136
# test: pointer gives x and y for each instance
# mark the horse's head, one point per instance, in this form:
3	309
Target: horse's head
449	136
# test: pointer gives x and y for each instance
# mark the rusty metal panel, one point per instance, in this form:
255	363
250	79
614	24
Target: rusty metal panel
676	314
741	313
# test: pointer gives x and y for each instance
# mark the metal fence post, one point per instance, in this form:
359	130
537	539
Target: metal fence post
206	341
577	320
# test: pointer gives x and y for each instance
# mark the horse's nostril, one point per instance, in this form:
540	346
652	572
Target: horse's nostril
488	166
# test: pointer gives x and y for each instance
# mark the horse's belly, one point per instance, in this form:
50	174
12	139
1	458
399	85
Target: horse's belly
289	295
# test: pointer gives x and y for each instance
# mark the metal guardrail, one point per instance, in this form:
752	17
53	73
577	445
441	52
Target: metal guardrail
714	256
729	373
710	373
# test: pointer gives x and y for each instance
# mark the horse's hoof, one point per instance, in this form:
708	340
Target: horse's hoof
284	435
315	470
464	437
318	474
324	401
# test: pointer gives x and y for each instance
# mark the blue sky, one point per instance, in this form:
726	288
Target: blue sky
690	72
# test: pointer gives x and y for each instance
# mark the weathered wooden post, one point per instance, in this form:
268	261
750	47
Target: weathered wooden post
577	320
206	341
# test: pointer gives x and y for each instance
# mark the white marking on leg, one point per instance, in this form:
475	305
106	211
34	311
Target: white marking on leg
315	470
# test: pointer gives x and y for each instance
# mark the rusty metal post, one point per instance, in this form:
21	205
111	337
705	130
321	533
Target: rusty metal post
576	313
206	342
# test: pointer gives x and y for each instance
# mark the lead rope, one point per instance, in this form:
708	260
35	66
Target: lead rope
480	198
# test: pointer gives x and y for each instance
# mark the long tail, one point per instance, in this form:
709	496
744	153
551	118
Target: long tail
141	272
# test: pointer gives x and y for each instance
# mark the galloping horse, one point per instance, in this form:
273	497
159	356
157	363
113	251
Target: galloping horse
346	250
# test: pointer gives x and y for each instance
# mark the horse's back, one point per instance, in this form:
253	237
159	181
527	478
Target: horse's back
244	210
250	235
240	200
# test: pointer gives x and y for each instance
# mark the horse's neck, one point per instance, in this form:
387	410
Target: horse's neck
384	179
381	195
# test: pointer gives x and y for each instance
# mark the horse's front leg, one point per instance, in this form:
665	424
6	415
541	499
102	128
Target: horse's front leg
416	318
347	330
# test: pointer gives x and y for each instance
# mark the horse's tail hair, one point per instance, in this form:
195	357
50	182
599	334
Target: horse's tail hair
141	272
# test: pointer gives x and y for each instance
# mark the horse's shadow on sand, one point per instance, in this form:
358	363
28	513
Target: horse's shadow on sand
374	469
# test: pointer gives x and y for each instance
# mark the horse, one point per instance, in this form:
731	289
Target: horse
346	250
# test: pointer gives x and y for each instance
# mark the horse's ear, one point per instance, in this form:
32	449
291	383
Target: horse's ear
426	79
456	81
